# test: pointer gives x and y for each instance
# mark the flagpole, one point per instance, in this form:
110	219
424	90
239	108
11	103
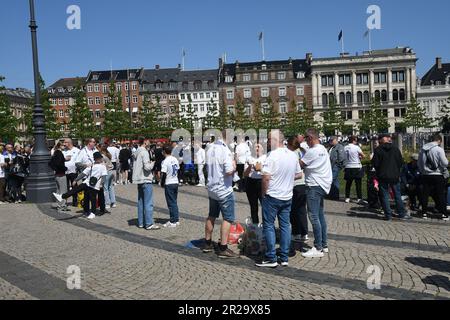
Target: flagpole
263	47
182	59
370	41
342	43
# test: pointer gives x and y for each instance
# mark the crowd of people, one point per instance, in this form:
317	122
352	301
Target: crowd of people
289	181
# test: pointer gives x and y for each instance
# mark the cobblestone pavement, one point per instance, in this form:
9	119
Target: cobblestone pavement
119	261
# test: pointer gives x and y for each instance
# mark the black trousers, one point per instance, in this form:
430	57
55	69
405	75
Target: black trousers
15	183
350	176
299	214
240	170
2	189
70	179
254	194
90	197
434	186
101	200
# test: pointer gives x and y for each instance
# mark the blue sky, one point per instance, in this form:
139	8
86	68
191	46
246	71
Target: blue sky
143	33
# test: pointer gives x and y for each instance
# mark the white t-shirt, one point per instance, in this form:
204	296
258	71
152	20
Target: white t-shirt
200	156
98	171
242	152
170	167
304	146
282	165
2	170
318	168
114	154
353	161
252	161
70	165
86	156
219	162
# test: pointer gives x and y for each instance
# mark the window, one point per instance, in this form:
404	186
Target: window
195	96
349	98
400	113
96	88
182	96
67	114
60	101
231	109
328	81
282	92
300	75
66	101
377	95
105	88
183	108
126	86
229	79
247	93
380	77
135	99
202	108
195	107
324	100
90	101
105	100
158	85
54	101
347	115
215	95
246	78
265	108
230	94
395	95
342	98
61	113
281	75
185	85
300	91
164	97
210	84
283	108
384	96
173	97
97	113
127	100
197	85
201	96
362	78
366	97
119	87
331	99
134	86
89	88
248	110
402	95
264	76
97	101
264	92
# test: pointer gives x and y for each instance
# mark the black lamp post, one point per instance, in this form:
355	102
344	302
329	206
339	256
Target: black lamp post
41	182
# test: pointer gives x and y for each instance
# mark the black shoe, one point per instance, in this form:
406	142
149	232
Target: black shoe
208	248
228	254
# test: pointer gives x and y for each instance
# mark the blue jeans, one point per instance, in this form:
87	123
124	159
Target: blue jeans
384	190
334	193
314	199
110	194
171	192
273	208
145	204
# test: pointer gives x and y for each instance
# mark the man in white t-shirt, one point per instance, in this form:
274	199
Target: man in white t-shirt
114	151
353	170
318	178
71	155
169	181
221	168
2	179
200	160
280	170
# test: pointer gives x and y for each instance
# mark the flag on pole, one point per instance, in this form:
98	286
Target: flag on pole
366	33
184	53
261	35
341	34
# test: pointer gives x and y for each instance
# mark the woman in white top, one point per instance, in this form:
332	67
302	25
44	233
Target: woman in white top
252	172
353	169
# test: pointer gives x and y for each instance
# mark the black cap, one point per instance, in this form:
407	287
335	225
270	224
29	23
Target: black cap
98	155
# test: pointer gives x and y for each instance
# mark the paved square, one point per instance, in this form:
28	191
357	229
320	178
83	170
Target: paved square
119	261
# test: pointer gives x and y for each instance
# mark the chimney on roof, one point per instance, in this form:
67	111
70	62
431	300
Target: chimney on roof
309	57
157	67
439	63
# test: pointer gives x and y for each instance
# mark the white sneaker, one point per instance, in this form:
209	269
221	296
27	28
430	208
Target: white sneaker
200	185
313	253
362	202
326	250
1	202
58	197
347	200
284	264
107	207
114	206
170	225
91	216
152	227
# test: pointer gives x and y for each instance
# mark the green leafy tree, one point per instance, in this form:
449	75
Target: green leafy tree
374	120
224	116
416	117
190	117
8	122
117	121
152	119
293	120
333	122
212	119
52	126
270	117
81	125
257	119
241	119
444	120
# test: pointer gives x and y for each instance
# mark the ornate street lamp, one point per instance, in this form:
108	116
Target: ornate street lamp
40	183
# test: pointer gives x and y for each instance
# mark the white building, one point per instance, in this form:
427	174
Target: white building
200	89
433	92
353	81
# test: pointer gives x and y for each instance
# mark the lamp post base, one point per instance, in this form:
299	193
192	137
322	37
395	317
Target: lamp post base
40	184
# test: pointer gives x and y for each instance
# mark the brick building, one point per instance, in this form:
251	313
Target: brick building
19	100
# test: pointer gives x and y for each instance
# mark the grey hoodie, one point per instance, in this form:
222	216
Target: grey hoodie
436	155
142	168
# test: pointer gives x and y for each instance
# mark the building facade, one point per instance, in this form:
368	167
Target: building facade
20	100
200	89
433	92
61	95
353	81
127	82
283	83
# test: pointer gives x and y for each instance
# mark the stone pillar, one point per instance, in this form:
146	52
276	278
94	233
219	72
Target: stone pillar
319	91
389	85
413	82
354	91
314	90
408	84
336	87
371	82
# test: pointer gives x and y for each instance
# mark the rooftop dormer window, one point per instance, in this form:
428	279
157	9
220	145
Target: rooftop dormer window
229	79
300	75
264	67
95	77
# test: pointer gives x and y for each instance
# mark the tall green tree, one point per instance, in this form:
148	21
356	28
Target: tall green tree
374	120
333	122
81	125
152	119
224	116
212	119
117	121
444	120
293	120
241	119
416	117
51	124
189	118
270	116
8	122
257	118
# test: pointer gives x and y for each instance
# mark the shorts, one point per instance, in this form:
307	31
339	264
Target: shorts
226	206
353	174
124	166
157	167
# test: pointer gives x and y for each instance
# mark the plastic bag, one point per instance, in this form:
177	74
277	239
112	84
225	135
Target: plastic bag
253	240
236	232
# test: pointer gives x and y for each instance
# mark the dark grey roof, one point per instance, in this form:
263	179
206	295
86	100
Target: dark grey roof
435	74
67	82
115	75
195	75
164	75
18	93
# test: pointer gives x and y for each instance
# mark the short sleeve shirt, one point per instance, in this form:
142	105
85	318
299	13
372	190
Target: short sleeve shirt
170	167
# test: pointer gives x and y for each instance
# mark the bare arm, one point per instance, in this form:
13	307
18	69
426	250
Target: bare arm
265	184
299	176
